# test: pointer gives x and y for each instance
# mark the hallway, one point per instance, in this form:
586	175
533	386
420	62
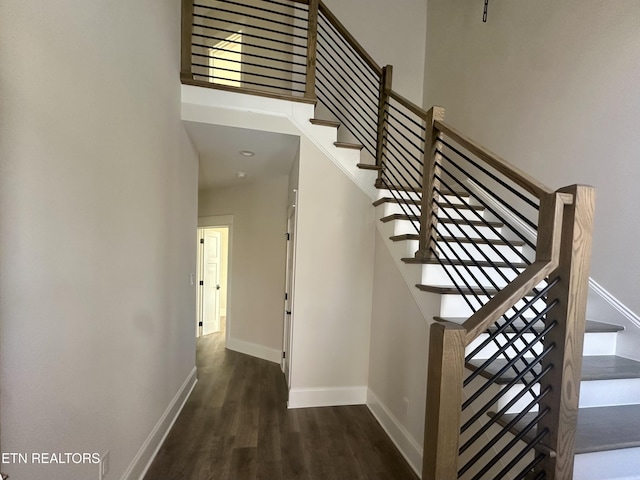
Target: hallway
235	426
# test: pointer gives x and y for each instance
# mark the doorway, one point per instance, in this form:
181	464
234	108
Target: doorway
213	269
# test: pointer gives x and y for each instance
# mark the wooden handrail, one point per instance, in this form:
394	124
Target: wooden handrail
409	105
524	180
350	39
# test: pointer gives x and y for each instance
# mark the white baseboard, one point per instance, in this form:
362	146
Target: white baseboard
142	461
406	444
326	397
255	350
614	302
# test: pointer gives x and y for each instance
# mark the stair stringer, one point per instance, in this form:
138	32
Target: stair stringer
240	110
412	274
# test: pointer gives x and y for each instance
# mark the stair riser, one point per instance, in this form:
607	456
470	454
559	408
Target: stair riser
594	344
482	252
413	209
455	306
451	275
453	230
621	464
398	194
401	227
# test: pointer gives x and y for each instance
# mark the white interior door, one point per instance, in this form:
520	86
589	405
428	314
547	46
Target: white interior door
210	286
289	291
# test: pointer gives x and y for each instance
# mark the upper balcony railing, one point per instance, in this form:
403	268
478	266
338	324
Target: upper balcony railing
521	267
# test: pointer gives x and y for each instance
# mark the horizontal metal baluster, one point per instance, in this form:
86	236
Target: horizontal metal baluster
491	175
245	26
489	209
246	63
528	386
329	43
498	199
367	102
248	82
296	5
527	470
530	446
536	361
270	49
266	10
248	15
325	24
399	146
261	75
389	154
252	35
200	45
326	74
419	124
504	430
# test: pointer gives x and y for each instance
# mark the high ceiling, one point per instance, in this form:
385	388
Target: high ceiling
220	159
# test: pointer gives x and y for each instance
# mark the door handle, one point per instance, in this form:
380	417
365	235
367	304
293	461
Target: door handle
217	287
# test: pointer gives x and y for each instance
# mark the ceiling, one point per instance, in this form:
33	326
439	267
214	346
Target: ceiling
220	159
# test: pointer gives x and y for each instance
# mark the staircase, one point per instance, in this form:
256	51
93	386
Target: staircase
507	257
608	435
607	438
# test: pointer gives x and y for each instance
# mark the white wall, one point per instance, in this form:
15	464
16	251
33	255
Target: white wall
392	33
334	272
553	87
256	303
98	194
398	357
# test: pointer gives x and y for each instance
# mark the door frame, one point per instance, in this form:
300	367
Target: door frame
287	340
221	221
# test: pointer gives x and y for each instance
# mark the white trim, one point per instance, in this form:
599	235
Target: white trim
149	449
410	449
326	397
255	350
216	221
614	302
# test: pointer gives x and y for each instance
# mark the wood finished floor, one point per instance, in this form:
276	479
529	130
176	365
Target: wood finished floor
235	426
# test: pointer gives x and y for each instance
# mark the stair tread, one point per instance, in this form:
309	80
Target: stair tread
594	367
469	263
383	200
384	186
414	236
404	236
591	326
354	146
599	428
325	123
448	290
476	223
367	166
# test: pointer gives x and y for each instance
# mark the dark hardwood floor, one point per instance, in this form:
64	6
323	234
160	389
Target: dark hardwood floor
236	426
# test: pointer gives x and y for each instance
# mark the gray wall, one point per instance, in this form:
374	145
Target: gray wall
98	195
552	87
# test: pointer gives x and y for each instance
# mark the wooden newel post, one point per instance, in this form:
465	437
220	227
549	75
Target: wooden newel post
444	401
386	81
186	72
568	335
431	169
312	43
